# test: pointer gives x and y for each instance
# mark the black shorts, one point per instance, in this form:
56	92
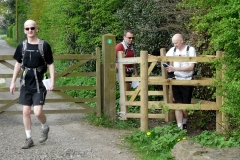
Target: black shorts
31	97
182	94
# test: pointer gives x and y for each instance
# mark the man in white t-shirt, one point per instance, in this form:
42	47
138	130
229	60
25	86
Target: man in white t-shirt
182	71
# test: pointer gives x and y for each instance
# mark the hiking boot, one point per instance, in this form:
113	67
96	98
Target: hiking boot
28	143
44	135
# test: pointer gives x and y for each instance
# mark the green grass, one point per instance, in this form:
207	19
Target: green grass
216	140
156	143
103	121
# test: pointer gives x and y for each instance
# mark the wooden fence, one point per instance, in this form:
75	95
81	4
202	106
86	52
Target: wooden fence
79	59
128	98
105	86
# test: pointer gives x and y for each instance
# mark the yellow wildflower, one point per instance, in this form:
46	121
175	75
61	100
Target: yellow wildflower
179	139
184	138
148	133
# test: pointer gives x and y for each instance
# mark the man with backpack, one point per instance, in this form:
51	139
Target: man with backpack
33	56
182	71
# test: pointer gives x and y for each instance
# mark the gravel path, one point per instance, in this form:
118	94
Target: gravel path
70	137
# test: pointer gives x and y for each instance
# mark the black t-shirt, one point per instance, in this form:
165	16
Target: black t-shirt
33	59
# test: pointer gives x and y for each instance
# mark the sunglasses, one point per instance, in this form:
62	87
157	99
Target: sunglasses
130	37
31	28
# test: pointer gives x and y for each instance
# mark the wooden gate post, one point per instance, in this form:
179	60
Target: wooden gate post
167	91
108	96
144	90
219	100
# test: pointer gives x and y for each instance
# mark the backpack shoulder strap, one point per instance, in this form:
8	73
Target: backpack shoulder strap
124	45
188	50
125	48
40	47
24	47
194	68
174	51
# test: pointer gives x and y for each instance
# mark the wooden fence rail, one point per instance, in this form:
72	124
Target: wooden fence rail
128	98
68	72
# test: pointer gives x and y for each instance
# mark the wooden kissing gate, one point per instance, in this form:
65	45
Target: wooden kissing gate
127	98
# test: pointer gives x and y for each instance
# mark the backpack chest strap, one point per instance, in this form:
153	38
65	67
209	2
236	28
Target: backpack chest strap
35	75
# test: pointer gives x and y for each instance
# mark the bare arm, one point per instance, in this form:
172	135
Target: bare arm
51	70
16	71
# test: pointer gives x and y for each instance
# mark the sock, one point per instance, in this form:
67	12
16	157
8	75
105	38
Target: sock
184	120
180	126
44	126
28	133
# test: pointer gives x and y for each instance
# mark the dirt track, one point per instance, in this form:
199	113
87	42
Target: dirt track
70	137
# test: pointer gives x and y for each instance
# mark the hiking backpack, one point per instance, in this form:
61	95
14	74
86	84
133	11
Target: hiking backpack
42	68
40	48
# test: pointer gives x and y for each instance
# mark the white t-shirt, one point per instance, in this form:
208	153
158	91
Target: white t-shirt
187	75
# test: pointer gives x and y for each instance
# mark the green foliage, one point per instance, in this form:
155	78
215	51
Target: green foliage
11	42
216	140
204	120
21	34
14	36
36	10
82	26
52	23
2	31
117	97
3	7
10	31
220	21
8	12
157	142
154	22
76	81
